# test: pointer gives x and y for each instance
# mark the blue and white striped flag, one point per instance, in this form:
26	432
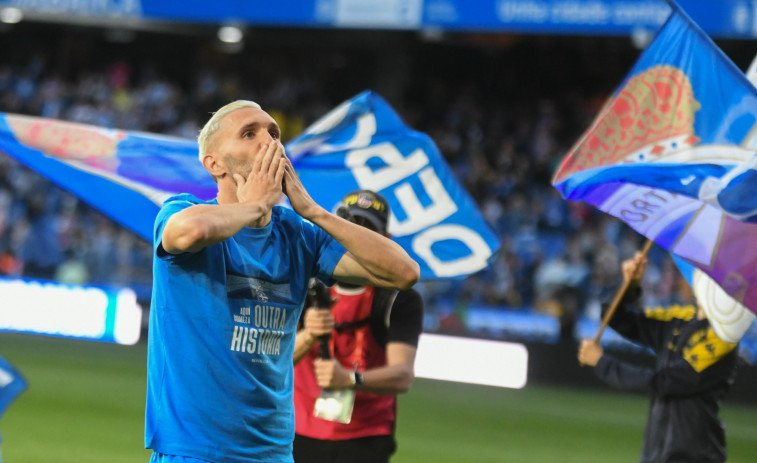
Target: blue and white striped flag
674	155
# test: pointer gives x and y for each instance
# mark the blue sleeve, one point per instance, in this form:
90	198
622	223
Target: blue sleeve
170	207
326	251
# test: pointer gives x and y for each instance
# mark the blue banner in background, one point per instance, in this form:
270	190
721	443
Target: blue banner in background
363	144
724	18
727	18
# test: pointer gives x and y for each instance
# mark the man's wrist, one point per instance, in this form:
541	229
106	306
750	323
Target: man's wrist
315	213
259	214
309	337
356	379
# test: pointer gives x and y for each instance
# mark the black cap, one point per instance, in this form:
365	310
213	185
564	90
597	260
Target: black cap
369	205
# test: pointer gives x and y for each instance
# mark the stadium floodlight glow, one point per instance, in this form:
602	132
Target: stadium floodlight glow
74	311
474	361
230	34
11	15
641	37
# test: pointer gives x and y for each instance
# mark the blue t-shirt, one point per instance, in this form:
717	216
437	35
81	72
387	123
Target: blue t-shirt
221	338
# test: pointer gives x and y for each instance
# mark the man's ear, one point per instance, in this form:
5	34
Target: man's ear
213	165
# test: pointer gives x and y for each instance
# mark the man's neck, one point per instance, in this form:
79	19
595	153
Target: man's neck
227	194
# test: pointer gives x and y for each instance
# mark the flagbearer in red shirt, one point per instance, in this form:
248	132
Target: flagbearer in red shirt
351	362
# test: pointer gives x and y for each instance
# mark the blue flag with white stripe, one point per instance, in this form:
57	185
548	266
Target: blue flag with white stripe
363	144
674	155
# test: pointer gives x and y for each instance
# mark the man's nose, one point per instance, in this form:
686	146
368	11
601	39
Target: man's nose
268	138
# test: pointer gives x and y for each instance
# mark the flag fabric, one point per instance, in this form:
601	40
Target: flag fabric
361	144
672	154
12	384
125	175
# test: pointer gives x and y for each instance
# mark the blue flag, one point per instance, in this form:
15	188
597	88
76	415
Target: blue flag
673	155
12	384
360	144
363	144
125	175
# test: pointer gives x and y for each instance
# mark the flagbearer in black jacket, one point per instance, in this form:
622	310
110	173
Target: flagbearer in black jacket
693	372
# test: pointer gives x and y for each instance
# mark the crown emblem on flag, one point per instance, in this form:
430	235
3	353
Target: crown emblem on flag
652	115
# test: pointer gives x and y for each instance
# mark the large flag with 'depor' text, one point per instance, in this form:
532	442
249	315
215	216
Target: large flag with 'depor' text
363	144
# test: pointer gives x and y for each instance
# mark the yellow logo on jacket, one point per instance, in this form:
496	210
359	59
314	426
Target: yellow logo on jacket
704	348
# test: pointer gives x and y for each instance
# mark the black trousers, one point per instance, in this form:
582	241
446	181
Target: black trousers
374	449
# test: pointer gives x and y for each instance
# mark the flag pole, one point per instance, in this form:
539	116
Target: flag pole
618	297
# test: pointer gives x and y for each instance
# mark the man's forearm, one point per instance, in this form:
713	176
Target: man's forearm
388	264
203	225
303	342
388	380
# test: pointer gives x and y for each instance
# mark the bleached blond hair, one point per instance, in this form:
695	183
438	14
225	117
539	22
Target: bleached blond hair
214	123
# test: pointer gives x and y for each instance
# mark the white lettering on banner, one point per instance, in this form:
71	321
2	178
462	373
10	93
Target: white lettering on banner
419	217
580	13
647	210
632	12
480	251
522	11
397	166
366	128
635	12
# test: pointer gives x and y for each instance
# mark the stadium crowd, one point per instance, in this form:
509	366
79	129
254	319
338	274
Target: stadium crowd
499	112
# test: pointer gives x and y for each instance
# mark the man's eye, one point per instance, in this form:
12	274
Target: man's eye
247	134
274	134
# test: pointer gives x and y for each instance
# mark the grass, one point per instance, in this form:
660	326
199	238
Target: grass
85	401
86	404
448	422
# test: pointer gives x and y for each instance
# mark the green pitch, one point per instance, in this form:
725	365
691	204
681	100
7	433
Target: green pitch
86	403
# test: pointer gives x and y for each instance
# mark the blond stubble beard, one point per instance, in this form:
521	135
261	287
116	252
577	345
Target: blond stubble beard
236	166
